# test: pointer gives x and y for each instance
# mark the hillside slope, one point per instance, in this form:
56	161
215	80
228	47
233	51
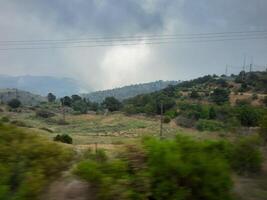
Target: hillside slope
41	85
129	91
25	97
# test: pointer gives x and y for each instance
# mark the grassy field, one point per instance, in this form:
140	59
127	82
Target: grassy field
90	128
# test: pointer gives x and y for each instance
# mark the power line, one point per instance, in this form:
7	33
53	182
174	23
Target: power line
158	38
140	42
138	36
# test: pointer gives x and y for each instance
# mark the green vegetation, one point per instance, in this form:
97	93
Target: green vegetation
27	163
177	169
63	138
14	103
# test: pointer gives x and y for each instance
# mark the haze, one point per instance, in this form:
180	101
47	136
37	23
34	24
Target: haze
112	66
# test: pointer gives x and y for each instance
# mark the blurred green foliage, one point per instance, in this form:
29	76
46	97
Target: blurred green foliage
177	169
27	163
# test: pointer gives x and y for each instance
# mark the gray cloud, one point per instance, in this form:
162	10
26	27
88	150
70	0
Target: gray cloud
106	67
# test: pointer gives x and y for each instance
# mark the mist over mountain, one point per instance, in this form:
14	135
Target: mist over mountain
129	91
42	85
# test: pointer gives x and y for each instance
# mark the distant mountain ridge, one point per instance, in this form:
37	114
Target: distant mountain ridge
41	85
26	98
129	91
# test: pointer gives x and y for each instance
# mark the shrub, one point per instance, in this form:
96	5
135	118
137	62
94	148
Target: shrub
166	119
5	119
28	163
185	122
263	129
248	116
255	96
220	96
246	156
14	103
80	106
178	169
209	125
45	113
63	138
171	114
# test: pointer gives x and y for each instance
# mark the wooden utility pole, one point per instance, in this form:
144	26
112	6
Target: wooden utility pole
161	120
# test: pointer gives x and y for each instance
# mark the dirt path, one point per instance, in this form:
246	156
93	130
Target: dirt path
67	189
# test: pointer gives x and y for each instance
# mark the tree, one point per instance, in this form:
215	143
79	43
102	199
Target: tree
111	103
76	97
14	103
80	106
212	113
51	97
66	101
220	96
248	116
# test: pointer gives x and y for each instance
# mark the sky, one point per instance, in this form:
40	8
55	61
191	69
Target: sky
112	66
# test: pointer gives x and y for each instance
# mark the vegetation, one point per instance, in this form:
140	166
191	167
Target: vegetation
27	163
51	97
111	103
178	169
14	103
63	138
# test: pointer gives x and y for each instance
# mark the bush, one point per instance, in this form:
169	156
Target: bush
246	156
14	103
263	129
178	169
63	138
220	96
209	125
185	122
166	120
28	163
5	119
80	106
45	113
248	116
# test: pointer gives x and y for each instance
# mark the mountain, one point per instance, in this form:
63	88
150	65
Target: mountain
129	91
41	85
26	98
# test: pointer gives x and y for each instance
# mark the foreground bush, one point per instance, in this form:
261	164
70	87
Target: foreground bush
27	163
209	125
180	169
63	138
246	156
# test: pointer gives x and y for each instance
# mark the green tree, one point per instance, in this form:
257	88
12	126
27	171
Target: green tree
51	97
14	103
80	106
112	104
220	96
212	113
75	97
66	101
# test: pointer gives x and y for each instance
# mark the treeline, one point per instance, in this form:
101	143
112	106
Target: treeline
128	91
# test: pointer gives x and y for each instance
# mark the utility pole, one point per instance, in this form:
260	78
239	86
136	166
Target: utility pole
226	70
63	110
251	64
244	68
161	119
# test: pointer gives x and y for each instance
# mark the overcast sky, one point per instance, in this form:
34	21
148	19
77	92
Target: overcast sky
108	67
